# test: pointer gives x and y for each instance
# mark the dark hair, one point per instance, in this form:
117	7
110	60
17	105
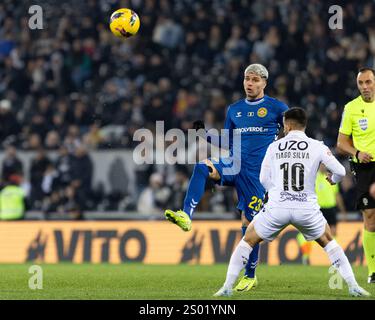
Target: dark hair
297	115
364	69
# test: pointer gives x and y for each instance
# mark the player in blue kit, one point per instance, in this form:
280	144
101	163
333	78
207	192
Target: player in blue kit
256	120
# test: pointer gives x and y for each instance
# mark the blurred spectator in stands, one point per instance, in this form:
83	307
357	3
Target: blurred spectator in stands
50	180
124	113
8	122
64	166
72	139
33	142
167	33
94	137
11	163
82	173
80	63
158	110
166	89
71	204
178	188
52	204
81	116
192	111
59	122
155	197
39	165
52	141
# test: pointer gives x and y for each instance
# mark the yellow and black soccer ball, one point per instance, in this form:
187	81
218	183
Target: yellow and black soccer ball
124	23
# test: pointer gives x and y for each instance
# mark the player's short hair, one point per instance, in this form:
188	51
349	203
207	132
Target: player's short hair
364	69
296	115
258	69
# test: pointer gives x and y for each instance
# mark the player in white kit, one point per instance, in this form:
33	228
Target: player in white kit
288	173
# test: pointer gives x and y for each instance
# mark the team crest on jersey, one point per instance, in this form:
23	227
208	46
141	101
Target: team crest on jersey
262	112
363	124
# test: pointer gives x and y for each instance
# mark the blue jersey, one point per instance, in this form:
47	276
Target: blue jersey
258	122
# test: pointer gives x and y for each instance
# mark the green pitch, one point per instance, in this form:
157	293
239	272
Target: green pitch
136	281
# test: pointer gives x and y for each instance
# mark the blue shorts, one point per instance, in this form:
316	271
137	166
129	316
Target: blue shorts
250	191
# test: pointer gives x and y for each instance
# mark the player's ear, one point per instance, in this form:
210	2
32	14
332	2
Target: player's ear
264	83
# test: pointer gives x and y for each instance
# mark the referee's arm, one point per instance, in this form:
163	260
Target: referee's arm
345	143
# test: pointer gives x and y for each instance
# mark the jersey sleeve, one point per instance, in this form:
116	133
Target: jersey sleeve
333	165
283	107
265	176
346	123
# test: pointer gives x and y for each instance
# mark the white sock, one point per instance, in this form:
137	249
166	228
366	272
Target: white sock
340	261
237	262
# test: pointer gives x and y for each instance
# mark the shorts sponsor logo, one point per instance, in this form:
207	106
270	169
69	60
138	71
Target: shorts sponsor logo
363	124
262	112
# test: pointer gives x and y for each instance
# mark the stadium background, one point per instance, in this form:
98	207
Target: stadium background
72	96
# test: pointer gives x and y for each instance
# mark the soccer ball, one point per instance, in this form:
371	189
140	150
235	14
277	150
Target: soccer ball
124	23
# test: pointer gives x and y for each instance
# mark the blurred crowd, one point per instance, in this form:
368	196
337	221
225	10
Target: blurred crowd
73	87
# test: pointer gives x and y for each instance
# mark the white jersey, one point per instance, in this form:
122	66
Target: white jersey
290	167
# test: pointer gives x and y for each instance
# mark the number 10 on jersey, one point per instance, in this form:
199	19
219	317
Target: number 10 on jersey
297	177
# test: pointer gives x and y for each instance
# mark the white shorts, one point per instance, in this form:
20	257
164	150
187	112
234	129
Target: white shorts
270	221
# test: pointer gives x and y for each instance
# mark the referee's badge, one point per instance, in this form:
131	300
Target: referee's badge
363	124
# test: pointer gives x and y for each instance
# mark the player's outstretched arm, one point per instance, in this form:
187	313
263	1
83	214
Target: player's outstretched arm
333	165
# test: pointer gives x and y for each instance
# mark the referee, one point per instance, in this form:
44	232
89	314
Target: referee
357	137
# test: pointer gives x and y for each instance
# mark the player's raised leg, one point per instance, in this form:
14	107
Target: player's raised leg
338	259
202	171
